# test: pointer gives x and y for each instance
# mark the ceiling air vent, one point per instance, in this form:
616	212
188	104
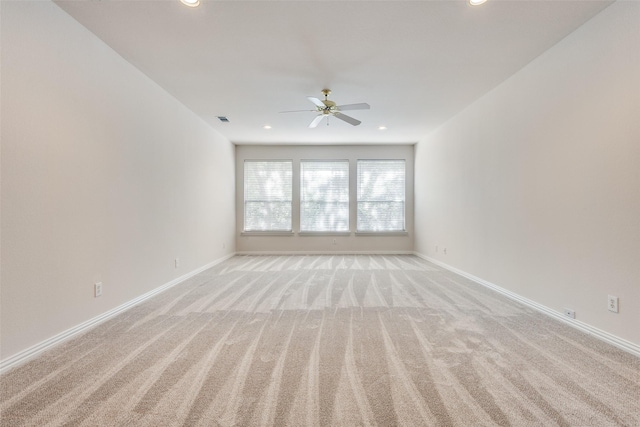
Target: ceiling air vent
223	119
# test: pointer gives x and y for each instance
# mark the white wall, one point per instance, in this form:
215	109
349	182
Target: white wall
536	186
324	242
105	177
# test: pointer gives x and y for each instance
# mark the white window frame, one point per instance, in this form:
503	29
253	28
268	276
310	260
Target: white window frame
277	199
305	199
373	198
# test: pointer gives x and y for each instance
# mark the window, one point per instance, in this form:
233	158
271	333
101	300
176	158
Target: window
381	195
324	195
267	195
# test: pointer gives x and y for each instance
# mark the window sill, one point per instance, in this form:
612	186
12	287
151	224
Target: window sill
324	233
382	233
267	233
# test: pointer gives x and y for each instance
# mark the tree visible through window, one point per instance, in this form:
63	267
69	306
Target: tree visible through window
267	195
381	195
324	195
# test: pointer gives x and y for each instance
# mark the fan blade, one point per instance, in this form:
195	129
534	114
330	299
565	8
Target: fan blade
316	121
347	119
298	111
316	101
361	106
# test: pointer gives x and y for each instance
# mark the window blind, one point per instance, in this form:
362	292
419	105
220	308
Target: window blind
381	195
324	195
267	195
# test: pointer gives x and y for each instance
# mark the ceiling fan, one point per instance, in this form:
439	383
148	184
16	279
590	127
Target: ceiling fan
327	108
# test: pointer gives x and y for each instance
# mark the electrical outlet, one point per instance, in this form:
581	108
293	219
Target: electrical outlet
97	289
445	251
612	303
569	313
176	262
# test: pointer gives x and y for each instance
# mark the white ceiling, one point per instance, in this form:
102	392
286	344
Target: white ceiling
417	63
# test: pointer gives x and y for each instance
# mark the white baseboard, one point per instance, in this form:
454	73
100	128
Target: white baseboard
584	327
288	253
47	344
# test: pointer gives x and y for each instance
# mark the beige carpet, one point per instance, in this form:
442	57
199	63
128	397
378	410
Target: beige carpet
326	340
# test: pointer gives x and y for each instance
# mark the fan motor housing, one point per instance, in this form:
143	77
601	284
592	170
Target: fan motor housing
330	104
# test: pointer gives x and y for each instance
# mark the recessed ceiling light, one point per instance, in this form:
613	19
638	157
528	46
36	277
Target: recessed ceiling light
191	3
476	2
382	128
266	127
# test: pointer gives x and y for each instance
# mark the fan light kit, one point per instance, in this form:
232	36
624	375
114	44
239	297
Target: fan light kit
476	2
328	108
190	3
